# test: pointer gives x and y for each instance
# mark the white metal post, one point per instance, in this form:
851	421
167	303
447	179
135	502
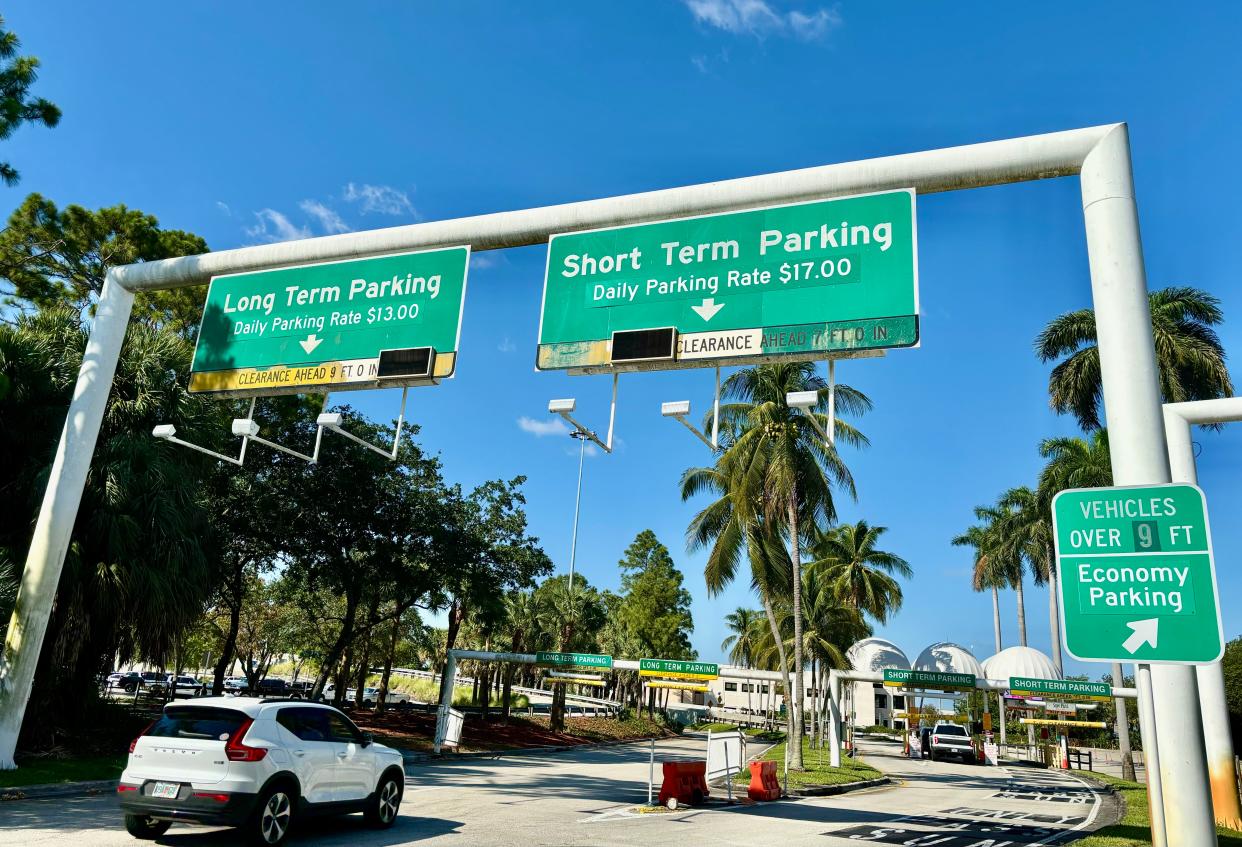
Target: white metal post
1151	754
834	719
66	479
1213	705
446	700
716	414
573	543
832	401
651	775
1132	405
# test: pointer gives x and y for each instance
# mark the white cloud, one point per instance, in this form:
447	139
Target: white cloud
759	18
537	428
224	207
507	346
484	261
699	62
381	199
591	450
329	221
271	225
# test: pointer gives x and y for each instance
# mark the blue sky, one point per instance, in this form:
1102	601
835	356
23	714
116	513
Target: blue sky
253	122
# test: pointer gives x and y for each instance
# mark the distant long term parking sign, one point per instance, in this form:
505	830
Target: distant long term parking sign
806	279
361	323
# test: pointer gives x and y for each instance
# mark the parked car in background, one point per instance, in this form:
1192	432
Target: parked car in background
186	685
301	689
124	680
256	764
951	740
154	681
235	684
271	687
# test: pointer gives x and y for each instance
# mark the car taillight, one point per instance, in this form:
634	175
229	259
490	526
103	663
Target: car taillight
124	787
134	743
207	795
238	752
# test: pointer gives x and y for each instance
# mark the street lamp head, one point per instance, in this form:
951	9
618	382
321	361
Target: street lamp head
675	409
331	420
245	427
562	407
802	399
164	431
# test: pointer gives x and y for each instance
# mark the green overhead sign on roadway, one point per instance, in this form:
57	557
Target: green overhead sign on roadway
574	660
938	680
1138	582
325	325
678	669
1025	686
806	279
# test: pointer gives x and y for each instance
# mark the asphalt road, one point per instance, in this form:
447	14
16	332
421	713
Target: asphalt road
589	797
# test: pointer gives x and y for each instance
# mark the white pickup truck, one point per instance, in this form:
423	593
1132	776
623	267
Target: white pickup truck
949	739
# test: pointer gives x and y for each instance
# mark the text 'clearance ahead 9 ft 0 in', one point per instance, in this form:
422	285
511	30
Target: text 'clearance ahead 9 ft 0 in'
1137	577
811	280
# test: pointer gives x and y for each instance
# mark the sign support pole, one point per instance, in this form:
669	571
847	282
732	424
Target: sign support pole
1132	405
1151	754
65	481
1217	737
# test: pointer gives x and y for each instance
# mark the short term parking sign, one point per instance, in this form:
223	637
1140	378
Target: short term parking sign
1138	583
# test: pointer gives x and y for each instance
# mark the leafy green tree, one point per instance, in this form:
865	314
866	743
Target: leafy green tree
986	575
52	257
139	568
858	572
17	107
1231	665
1189	355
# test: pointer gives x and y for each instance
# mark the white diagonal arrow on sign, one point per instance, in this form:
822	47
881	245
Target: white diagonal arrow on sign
310	343
1145	632
708	308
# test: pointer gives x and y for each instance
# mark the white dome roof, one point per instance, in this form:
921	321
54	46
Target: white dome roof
1020	661
946	657
876	654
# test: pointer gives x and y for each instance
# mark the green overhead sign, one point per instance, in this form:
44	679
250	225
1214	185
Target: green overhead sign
323	326
806	279
1024	686
573	660
937	680
1136	573
677	669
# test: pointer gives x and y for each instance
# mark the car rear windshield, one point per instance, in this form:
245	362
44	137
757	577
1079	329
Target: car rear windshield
201	722
950	730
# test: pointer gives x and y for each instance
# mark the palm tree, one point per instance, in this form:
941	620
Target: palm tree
997	559
1028	532
732	532
1082	463
859	574
740	645
785	472
985	574
1190	357
522	616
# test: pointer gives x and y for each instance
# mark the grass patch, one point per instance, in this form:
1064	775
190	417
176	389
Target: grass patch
818	771
1134	828
46	771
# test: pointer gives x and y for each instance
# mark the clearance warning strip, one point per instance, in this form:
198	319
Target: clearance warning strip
1056	722
676	669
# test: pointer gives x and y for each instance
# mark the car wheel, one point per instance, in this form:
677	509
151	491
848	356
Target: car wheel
141	826
270	823
382	809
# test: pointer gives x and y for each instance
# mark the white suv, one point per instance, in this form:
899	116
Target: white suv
256	764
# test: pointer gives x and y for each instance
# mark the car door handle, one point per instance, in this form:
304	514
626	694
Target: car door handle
299	752
341	755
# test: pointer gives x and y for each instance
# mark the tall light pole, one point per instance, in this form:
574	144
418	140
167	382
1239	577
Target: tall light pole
573	544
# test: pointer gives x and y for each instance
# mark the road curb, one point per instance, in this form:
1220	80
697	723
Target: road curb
843	788
416	758
58	789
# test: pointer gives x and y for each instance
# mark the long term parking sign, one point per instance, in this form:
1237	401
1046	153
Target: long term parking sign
361	323
1138	581
806	279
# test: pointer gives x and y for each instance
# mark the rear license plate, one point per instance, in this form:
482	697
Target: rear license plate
166	789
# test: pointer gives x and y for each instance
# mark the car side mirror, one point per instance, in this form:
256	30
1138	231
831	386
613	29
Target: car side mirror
367	739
